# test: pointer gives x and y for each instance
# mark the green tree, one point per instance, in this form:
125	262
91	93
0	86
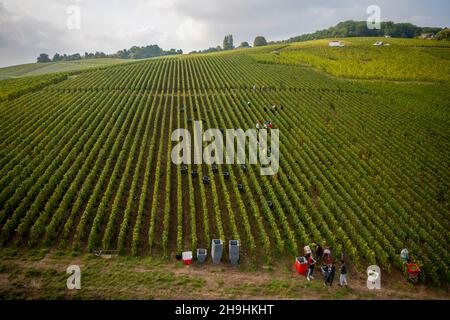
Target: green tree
43	57
228	42
359	29
259	41
56	57
244	44
443	35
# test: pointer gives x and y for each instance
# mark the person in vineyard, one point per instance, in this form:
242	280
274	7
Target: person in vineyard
307	251
404	254
311	264
268	125
327	255
324	270
330	274
343	276
318	251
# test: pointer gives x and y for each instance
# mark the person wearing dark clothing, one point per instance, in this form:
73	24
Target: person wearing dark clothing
330	275
324	270
343	276
318	251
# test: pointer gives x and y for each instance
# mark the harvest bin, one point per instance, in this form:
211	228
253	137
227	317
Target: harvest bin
234	251
301	264
201	255
216	250
187	257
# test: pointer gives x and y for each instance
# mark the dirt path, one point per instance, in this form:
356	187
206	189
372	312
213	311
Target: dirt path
43	275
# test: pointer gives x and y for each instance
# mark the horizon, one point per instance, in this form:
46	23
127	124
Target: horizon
27	31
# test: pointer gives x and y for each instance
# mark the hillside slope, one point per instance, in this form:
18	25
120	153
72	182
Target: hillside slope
365	166
32	69
396	59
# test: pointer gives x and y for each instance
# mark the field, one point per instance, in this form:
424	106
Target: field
365	165
40	274
402	59
32	69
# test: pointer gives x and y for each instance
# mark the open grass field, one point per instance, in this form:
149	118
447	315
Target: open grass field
32	69
365	165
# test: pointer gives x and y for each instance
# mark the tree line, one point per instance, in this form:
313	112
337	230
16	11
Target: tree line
359	29
134	52
228	44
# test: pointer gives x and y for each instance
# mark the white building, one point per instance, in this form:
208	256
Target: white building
335	43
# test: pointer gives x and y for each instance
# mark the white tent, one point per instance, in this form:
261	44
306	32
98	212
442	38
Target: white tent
335	43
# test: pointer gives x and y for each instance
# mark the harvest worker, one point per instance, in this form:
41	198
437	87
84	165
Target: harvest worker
404	254
343	276
318	251
311	263
307	251
258	125
327	255
330	274
324	270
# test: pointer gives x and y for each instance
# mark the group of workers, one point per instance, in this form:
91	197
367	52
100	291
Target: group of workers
267	125
328	269
328	265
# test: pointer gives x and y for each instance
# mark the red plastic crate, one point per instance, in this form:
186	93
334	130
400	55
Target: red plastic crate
301	264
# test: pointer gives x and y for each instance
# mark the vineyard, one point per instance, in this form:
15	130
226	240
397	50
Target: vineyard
365	166
399	59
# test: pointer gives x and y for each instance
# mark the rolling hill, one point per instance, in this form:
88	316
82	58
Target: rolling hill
32	69
85	157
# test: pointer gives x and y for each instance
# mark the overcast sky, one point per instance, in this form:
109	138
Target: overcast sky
29	27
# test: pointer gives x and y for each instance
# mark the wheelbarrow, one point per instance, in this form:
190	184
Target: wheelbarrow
413	272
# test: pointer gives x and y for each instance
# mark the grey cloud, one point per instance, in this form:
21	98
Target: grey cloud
22	37
29	27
